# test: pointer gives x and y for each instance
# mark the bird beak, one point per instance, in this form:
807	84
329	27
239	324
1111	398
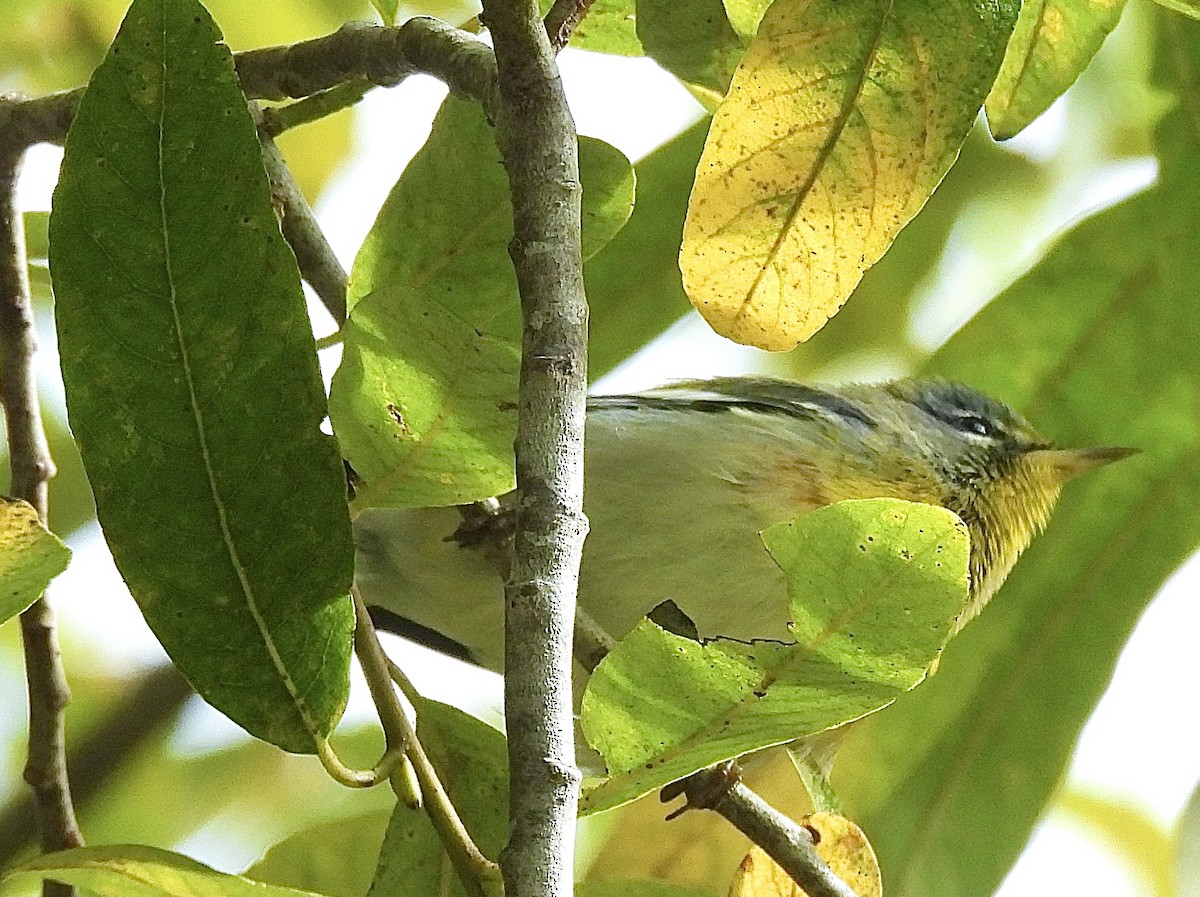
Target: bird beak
1070	463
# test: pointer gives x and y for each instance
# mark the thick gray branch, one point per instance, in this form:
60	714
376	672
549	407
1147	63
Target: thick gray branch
383	56
32	468
536	136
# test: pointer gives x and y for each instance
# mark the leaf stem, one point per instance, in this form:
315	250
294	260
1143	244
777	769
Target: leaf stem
480	876
350	777
331	340
32	467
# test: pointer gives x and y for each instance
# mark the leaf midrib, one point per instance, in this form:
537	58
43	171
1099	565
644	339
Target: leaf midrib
799	652
248	592
818	166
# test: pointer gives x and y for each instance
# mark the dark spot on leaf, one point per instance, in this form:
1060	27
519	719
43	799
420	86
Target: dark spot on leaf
395	414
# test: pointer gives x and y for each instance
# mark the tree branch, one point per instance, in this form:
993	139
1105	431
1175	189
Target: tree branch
382	56
789	844
32	468
537	141
562	20
148	704
316	259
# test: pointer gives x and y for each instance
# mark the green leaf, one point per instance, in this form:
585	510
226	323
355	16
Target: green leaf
1189	8
30	556
387	10
875	587
1052	44
746	15
832	137
952	780
37	235
694	41
609	27
443	231
633	284
132	870
424	402
472	761
330	858
192	381
424	405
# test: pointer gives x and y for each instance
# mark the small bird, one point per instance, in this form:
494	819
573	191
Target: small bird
680	481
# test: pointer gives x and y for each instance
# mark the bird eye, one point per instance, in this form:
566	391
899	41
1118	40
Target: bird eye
976	426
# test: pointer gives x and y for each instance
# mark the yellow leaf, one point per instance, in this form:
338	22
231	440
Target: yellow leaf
841	119
30	556
839	842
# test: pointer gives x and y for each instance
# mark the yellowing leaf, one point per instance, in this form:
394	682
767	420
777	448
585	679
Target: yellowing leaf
839	842
30	557
840	121
1052	44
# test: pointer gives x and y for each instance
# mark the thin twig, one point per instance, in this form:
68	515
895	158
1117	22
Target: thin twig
316	259
278	119
788	843
479	875
32	468
592	643
537	142
355	52
562	20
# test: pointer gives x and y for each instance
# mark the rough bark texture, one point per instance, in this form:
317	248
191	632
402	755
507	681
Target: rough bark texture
537	140
32	468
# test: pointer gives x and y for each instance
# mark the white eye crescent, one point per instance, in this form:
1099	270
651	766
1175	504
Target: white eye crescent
974	425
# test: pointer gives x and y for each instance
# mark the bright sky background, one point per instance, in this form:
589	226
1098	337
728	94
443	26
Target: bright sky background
1138	746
